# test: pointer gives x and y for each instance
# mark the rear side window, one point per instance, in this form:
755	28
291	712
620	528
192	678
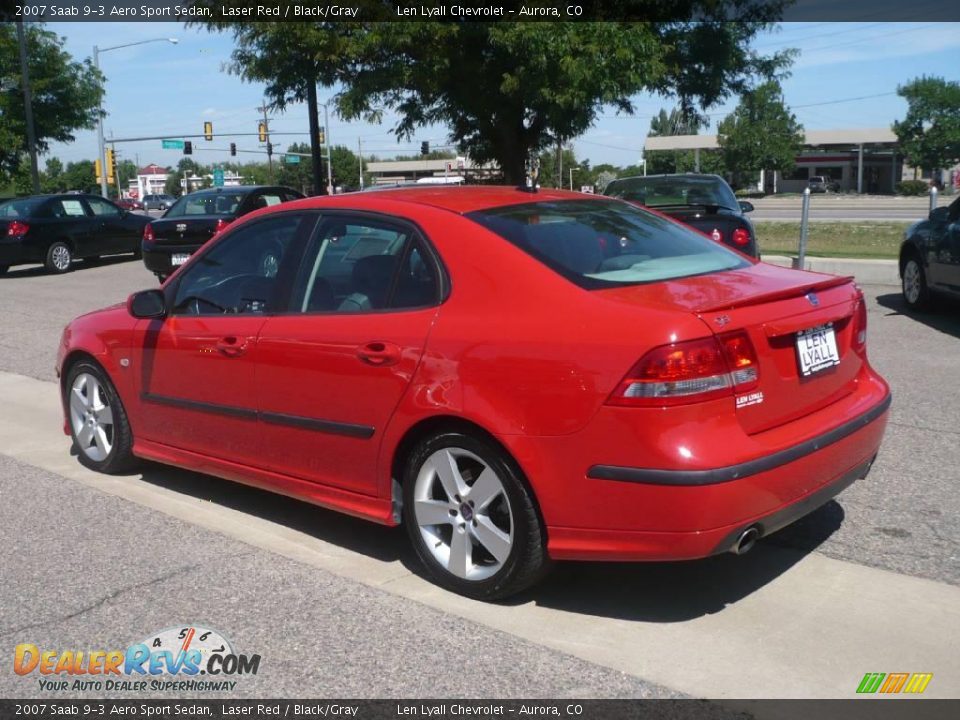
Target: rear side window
206	204
598	244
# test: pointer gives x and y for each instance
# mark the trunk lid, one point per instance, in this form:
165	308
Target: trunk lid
186	230
772	305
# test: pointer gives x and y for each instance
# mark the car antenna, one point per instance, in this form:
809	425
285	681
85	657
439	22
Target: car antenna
532	181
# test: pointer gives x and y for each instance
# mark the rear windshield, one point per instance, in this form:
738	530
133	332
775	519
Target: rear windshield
599	244
23	207
674	190
206	204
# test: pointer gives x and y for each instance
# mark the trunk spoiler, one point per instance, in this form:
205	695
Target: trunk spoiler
781	294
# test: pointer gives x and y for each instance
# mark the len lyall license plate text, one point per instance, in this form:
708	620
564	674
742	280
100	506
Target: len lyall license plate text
179	259
817	349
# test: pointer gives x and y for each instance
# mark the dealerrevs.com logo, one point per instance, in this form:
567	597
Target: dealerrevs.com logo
180	659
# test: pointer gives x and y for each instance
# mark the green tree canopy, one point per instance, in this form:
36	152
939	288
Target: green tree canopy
66	93
930	133
761	134
508	90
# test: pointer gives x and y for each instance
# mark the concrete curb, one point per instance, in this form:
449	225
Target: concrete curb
867	272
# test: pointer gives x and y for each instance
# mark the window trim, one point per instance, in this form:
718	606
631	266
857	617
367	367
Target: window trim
281	291
444	285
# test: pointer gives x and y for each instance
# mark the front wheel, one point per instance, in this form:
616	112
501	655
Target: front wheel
915	291
59	258
471	519
98	421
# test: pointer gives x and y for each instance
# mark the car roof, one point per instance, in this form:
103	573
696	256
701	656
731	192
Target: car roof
243	189
459	199
672	176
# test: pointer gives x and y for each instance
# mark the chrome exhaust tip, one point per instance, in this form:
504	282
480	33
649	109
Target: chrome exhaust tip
748	538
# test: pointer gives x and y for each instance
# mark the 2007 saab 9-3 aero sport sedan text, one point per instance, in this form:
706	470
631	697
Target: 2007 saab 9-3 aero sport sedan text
514	376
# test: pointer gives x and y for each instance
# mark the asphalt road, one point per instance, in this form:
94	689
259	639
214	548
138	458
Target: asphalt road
331	604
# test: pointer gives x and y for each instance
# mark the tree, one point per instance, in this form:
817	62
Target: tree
509	90
66	93
51	179
761	134
677	122
297	175
80	176
930	133
346	168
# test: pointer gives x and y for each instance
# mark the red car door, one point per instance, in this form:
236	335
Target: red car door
198	365
333	370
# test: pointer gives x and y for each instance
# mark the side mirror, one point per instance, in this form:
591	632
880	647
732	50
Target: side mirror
940	214
746	206
147	304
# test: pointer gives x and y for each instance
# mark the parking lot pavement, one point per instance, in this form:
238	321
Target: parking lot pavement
114	558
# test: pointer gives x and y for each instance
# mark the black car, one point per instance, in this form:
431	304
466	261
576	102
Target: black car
197	217
930	257
55	229
704	202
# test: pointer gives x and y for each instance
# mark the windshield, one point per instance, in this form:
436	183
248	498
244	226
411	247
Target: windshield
674	190
22	207
597	243
212	203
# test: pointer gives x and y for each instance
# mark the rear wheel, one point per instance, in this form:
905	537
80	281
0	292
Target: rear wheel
98	421
914	282
471	520
59	258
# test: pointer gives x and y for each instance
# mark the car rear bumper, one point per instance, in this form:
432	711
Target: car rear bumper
16	252
622	511
157	258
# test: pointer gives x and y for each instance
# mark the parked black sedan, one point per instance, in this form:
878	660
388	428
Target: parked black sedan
195	218
930	257
55	229
704	202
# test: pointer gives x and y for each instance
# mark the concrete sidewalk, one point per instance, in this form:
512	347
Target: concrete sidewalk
867	272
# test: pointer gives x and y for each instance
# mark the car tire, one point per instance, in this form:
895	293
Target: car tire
913	283
59	258
486	547
97	419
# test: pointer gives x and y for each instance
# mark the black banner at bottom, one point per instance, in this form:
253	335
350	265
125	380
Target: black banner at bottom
853	709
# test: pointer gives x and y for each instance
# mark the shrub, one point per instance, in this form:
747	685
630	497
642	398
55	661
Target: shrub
749	193
913	187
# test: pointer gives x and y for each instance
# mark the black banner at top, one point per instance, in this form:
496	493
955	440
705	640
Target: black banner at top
479	10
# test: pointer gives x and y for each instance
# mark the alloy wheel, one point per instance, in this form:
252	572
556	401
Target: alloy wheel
60	257
911	282
463	514
91	417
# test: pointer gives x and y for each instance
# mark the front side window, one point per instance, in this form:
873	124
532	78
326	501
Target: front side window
364	265
239	274
597	244
102	208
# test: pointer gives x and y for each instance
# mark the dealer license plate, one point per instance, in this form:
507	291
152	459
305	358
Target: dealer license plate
817	349
179	259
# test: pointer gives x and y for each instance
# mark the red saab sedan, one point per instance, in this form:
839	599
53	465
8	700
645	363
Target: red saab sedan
516	377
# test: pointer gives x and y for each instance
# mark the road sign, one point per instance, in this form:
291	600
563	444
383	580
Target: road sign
291	159
218	177
171	144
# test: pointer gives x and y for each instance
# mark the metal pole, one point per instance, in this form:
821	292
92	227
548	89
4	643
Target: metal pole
933	198
571	179
266	126
100	143
804	223
326	136
860	169
116	175
28	108
315	150
360	153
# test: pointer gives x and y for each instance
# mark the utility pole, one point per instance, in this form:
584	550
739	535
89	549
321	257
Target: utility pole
315	157
266	124
116	173
326	136
360	153
28	108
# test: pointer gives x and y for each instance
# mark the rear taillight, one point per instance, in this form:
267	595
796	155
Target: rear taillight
148	233
221	224
859	342
691	371
716	235
741	237
17	228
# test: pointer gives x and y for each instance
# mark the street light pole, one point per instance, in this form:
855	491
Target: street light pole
326	136
100	143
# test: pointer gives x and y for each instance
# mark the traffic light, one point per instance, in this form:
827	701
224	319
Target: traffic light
321	137
233	149
424	148
269	148
111	166
187	147
262	131
208	131
98	166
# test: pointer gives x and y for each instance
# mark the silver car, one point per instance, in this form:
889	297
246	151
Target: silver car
158	202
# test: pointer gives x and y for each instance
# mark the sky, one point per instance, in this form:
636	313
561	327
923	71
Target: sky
845	77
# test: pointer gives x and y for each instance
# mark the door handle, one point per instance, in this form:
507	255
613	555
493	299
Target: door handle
231	346
379	353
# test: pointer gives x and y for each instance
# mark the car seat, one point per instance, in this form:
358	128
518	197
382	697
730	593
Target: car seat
370	283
